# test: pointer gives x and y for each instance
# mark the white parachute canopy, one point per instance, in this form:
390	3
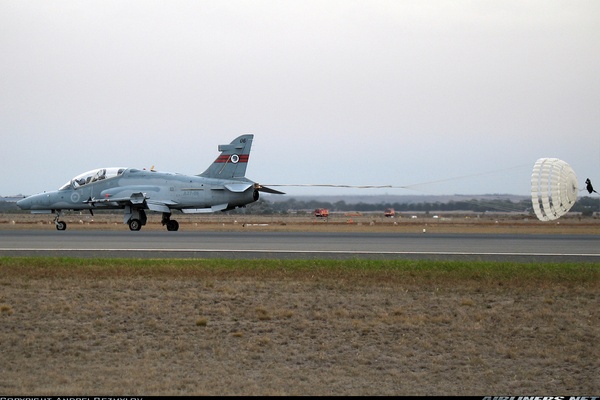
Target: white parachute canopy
553	188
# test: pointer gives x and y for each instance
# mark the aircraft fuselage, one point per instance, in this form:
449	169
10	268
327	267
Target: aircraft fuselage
223	186
181	191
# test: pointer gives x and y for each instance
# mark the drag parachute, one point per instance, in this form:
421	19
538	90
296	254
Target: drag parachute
553	188
589	187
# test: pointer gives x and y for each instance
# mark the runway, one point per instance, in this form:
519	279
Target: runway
300	245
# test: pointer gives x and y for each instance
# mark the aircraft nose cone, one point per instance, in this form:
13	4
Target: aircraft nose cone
24	204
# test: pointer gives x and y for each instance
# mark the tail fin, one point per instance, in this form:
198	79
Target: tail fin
233	160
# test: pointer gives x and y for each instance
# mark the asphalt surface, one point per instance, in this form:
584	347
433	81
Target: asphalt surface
301	245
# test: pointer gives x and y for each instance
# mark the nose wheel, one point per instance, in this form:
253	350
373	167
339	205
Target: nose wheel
60	225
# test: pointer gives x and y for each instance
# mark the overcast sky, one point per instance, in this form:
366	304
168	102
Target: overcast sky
445	97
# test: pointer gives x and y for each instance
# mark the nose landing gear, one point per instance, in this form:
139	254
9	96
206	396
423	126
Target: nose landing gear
60	225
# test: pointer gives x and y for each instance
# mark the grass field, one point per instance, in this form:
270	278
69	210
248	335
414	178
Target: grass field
268	327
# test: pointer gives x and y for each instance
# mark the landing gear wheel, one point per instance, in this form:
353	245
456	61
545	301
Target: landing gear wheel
61	225
135	224
172	225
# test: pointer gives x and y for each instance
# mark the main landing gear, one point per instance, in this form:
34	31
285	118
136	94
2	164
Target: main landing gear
134	224
137	219
171	224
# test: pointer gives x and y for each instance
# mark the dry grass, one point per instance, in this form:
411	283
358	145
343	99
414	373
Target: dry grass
208	327
452	223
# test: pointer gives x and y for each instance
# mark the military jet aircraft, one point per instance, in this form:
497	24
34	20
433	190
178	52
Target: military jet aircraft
223	186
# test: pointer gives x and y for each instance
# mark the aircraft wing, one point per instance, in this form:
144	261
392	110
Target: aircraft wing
161	206
135	199
215	208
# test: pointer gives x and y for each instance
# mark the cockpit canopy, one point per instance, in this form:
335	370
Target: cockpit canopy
93	176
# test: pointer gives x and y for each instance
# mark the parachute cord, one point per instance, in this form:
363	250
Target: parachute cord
418	187
465	176
407	187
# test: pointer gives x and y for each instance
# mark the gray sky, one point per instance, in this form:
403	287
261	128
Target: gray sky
453	97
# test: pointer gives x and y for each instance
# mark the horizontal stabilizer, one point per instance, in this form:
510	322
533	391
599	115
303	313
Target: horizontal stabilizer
238	187
265	189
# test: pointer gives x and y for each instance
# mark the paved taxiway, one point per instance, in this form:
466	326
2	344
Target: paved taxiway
251	244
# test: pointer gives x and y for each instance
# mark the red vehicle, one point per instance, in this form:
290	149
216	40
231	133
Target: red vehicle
389	212
321	212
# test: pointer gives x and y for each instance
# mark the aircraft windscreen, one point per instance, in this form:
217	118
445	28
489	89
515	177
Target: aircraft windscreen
93	176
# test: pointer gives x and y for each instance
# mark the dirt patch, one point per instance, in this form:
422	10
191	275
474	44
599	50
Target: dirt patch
280	332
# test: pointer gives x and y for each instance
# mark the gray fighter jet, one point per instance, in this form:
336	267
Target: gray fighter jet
223	186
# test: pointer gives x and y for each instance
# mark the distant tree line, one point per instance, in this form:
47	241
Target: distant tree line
587	206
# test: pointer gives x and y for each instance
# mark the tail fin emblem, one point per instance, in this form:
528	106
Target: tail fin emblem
235	158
